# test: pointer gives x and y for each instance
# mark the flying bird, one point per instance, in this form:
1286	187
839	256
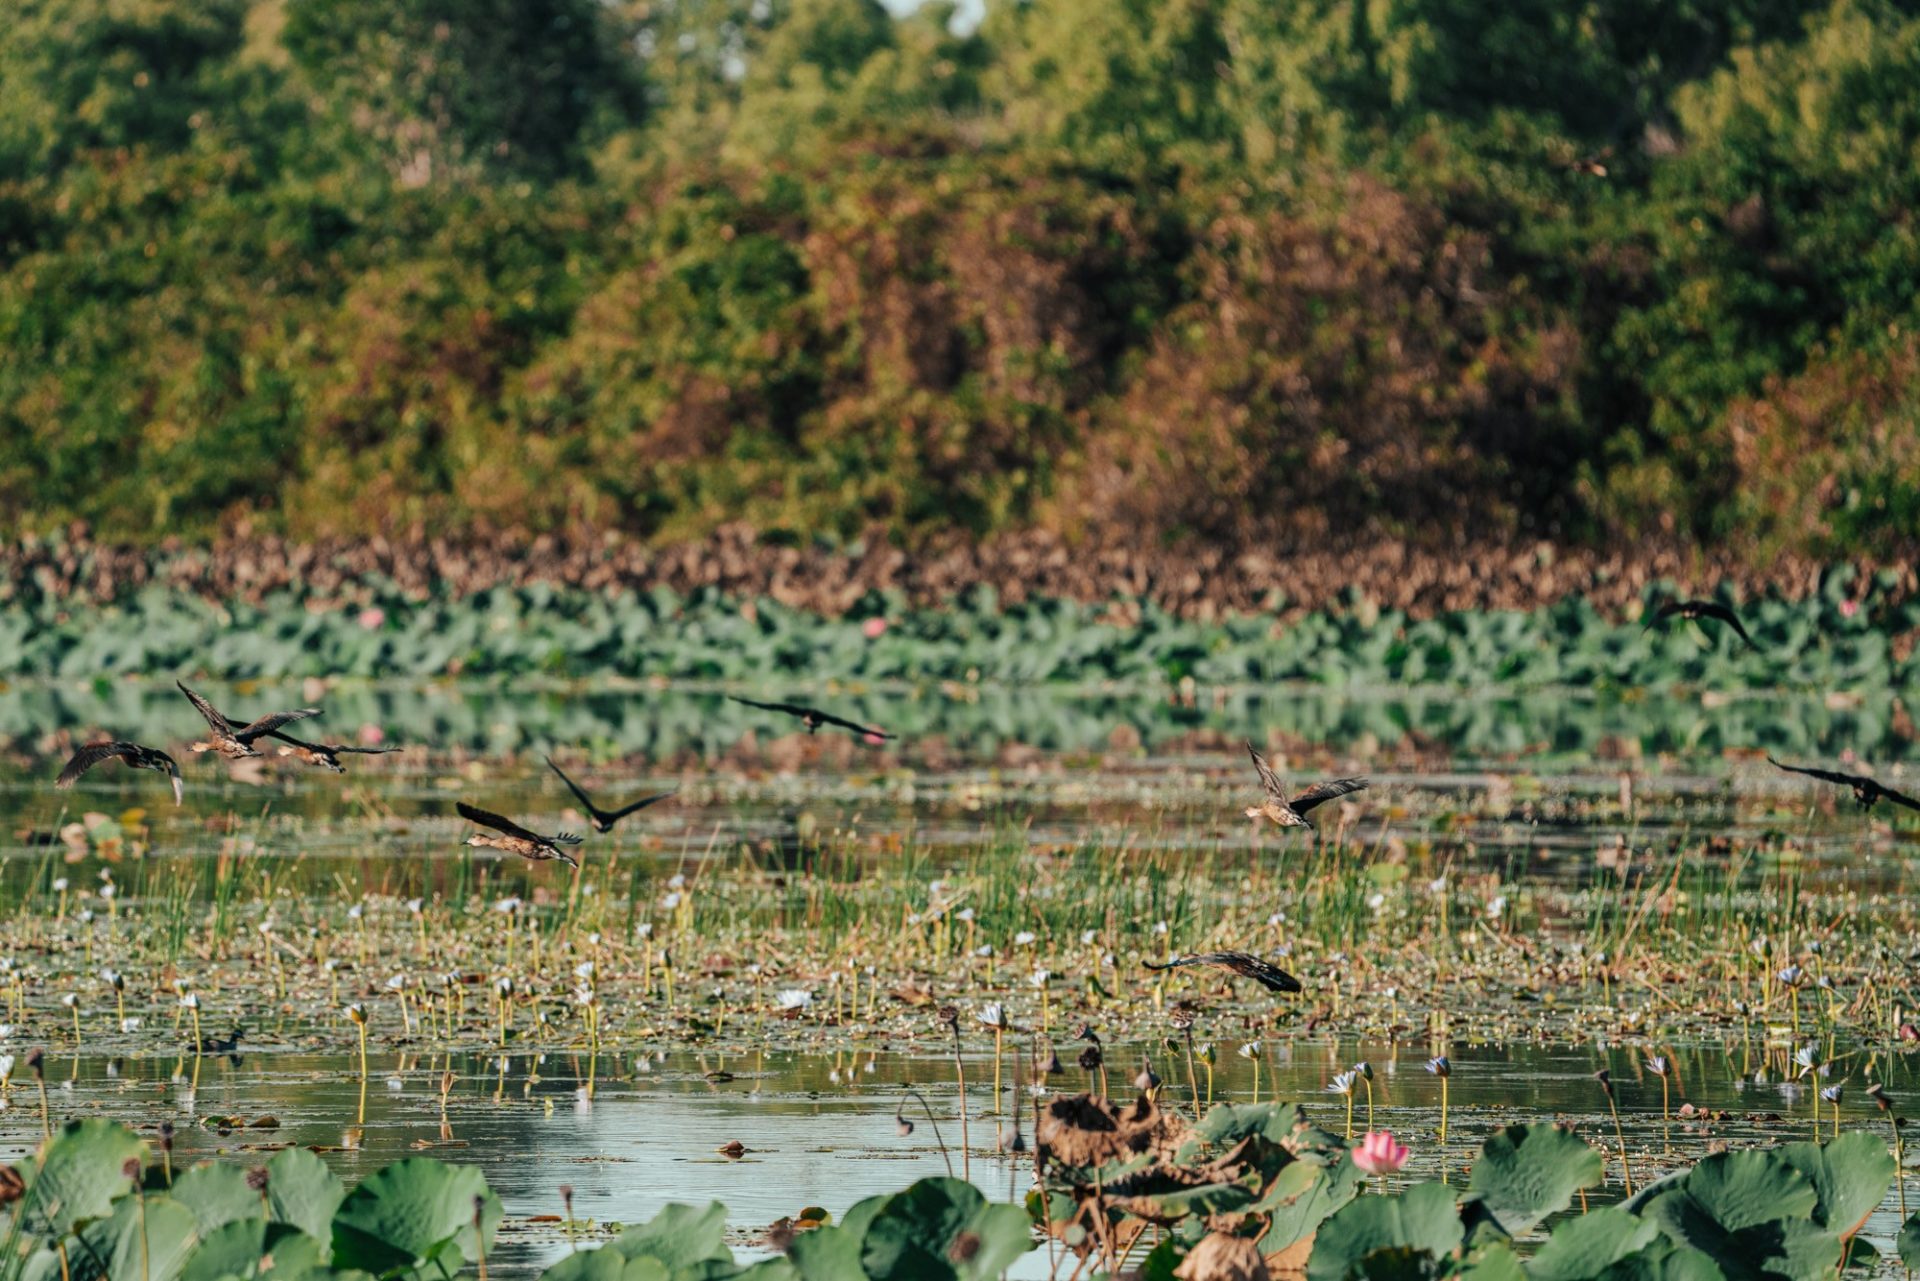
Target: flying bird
813	718
1865	790
1695	610
603	820
136	757
515	839
324	755
1245	964
1292	812
237	743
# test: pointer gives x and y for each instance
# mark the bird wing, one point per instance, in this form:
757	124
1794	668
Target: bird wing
1268	779
575	788
1713	609
359	751
828	718
642	803
91	755
215	720
504	826
1320	793
563	838
273	721
1824	775
1245	964
1900	798
1662	612
789	708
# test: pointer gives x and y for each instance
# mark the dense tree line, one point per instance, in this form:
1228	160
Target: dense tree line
1233	270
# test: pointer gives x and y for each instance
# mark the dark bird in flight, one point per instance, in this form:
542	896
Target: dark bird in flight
1695	610
1865	790
515	839
1293	812
136	757
603	820
324	755
813	718
237	743
1245	964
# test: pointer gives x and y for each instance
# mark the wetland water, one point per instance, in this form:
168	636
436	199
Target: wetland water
1538	886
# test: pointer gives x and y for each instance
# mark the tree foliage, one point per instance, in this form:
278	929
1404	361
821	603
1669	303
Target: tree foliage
1163	268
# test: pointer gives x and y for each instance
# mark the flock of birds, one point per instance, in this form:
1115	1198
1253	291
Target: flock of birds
235	739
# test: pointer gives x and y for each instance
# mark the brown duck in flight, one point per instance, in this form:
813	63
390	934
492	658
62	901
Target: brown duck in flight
136	757
603	820
813	718
237	743
1292	812
1865	790
515	839
1245	964
324	755
1695	610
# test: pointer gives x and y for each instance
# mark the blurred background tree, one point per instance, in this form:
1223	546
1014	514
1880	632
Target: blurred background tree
1226	270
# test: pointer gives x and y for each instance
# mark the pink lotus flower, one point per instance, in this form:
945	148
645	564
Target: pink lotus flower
372	618
1848	608
371	735
1379	1154
874	628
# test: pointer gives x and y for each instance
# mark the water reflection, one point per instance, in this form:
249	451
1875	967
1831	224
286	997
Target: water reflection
971	724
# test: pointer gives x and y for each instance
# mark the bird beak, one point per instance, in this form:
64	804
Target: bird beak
179	790
570	860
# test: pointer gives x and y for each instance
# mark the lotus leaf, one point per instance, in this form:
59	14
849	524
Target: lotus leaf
1527	1172
80	1172
412	1214
1850	1175
1413	1231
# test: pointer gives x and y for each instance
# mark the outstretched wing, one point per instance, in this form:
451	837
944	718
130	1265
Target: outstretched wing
1900	798
214	719
789	708
1245	964
575	788
1824	775
1665	610
361	751
641	804
1268	779
1724	613
91	755
504	826
1320	793
271	722
859	730
564	838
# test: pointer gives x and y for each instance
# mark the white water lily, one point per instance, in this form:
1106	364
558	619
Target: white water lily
1023	939
6	1068
508	905
994	1015
644	929
1497	908
671	901
795	998
1039	977
584	970
416	905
